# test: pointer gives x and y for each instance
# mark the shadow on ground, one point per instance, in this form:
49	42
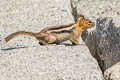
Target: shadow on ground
12	48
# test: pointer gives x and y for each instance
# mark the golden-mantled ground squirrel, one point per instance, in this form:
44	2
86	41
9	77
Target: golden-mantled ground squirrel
60	33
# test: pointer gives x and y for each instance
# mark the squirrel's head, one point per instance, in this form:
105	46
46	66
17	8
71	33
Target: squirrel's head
85	23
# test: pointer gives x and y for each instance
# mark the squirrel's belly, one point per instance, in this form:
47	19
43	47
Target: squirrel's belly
63	37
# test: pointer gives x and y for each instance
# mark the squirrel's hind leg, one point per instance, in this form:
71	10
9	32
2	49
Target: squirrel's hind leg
48	40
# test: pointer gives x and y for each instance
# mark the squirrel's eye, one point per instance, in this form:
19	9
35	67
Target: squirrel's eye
89	22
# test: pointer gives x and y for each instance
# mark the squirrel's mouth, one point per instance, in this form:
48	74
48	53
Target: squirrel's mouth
93	25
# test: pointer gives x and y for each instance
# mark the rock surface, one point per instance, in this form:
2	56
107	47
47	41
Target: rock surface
113	73
24	59
94	9
49	63
104	41
30	15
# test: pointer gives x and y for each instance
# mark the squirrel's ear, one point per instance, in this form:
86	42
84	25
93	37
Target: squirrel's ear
80	17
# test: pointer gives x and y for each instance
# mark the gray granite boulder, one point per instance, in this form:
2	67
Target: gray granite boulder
103	41
113	73
23	58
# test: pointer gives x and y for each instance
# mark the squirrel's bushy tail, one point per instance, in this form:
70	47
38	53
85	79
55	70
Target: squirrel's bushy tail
19	33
